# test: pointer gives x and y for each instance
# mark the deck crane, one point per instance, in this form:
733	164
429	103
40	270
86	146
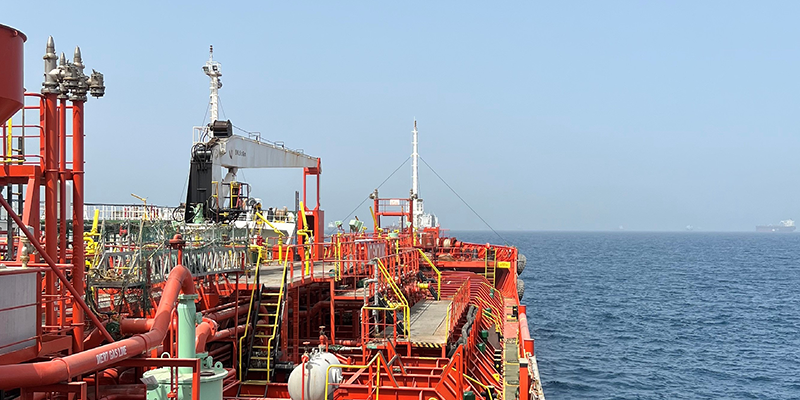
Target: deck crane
214	197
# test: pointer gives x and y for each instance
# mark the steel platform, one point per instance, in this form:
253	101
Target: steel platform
429	322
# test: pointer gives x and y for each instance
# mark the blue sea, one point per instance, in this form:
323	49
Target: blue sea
689	315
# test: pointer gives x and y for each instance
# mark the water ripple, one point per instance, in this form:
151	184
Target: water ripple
663	315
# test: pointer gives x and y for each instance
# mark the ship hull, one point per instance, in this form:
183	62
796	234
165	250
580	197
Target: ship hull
775	229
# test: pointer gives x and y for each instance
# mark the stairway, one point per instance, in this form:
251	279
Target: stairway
490	266
260	355
265	335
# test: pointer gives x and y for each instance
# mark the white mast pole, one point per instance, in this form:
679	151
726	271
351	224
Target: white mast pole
212	69
415	174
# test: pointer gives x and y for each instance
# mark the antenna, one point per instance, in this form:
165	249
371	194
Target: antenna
214	72
415	204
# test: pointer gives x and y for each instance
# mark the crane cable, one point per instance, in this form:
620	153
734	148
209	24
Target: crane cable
462	200
379	186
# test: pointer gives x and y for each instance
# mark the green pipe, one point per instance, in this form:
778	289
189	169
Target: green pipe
187	326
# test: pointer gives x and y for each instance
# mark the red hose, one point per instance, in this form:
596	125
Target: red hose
88	361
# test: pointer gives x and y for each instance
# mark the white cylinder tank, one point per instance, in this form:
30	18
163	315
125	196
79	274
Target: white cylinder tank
314	378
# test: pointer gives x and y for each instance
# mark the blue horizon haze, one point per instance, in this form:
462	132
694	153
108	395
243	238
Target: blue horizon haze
542	115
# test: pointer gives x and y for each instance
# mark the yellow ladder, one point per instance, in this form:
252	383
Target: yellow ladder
266	332
490	266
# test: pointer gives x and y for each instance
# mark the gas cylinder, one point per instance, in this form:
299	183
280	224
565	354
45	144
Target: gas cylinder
311	374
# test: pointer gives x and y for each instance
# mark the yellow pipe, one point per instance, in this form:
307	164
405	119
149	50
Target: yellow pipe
276	230
374	219
95	220
144	216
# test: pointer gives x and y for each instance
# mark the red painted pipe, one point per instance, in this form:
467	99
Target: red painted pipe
85	362
226	333
208	337
205	330
78	257
224	306
224	315
50	149
95	338
222	352
123	392
139	325
62	174
125	396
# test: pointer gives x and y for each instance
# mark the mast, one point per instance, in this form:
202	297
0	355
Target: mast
212	69
416	204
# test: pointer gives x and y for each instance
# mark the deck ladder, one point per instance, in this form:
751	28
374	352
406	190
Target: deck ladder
490	265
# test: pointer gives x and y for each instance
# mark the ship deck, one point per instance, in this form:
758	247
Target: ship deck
270	274
428	320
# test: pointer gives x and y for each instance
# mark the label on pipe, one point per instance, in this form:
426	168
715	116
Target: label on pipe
112	354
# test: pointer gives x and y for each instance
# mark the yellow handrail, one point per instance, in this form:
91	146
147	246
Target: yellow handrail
399	294
438	275
493	289
377	358
249	311
485	387
275	322
306	233
491	315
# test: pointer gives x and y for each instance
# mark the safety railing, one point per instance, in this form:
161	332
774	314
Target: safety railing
461	251
250	310
279	215
452	376
492	299
400	298
457	306
15	153
142	264
436	271
381	323
128	212
276	321
373	367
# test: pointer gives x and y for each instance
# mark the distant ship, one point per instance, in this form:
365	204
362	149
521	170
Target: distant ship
784	226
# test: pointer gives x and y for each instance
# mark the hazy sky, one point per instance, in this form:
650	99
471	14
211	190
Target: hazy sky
543	115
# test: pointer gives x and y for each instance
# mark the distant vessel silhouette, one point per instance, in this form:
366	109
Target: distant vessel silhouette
783	227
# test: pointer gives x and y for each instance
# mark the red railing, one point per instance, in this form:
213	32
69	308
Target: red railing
460	302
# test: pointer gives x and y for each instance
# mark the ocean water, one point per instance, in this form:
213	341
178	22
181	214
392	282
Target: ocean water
689	315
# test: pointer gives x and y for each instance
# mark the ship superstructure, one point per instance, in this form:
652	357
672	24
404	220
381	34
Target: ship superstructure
784	226
223	298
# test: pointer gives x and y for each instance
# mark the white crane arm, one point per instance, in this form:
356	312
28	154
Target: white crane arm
241	152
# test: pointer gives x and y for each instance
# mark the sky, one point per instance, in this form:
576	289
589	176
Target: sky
561	115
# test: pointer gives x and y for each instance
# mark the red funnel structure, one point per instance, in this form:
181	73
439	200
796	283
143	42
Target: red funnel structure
11	89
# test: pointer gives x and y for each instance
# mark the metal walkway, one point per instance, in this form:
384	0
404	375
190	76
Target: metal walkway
429	321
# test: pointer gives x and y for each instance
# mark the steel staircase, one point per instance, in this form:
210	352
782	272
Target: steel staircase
258	347
490	265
